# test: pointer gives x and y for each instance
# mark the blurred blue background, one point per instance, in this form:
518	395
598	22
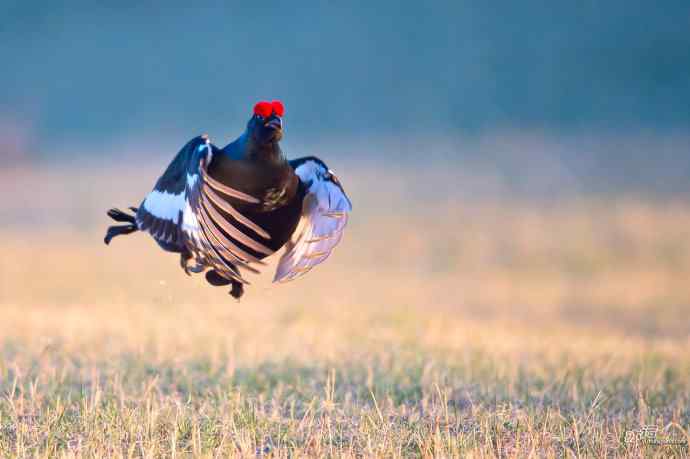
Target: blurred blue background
603	87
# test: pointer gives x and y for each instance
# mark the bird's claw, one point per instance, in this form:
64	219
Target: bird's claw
186	267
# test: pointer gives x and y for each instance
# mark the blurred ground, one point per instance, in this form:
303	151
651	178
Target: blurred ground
453	323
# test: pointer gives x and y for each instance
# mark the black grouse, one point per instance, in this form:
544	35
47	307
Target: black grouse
226	209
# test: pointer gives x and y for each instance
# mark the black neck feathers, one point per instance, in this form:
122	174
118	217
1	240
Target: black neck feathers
265	152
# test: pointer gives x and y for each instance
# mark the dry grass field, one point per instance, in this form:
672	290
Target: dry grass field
461	325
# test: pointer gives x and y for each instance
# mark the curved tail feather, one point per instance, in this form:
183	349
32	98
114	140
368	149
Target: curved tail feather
117	230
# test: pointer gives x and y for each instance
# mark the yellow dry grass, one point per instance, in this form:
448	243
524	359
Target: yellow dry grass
460	326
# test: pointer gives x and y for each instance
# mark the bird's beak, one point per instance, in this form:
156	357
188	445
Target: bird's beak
275	123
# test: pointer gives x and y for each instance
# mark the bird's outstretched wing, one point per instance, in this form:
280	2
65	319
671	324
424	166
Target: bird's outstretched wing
223	236
325	212
160	214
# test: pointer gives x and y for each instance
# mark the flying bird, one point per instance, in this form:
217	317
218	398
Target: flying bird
225	210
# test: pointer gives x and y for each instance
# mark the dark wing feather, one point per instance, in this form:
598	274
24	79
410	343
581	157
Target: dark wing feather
160	213
219	230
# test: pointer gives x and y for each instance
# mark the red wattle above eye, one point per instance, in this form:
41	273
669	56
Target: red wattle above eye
263	108
278	107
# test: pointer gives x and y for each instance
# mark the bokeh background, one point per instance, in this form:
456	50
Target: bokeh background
520	242
578	97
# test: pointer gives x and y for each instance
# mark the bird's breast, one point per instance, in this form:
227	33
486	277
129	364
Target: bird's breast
275	185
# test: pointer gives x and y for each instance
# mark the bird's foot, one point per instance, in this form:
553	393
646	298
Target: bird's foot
185	257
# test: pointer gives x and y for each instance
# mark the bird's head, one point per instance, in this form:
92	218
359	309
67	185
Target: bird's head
266	124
